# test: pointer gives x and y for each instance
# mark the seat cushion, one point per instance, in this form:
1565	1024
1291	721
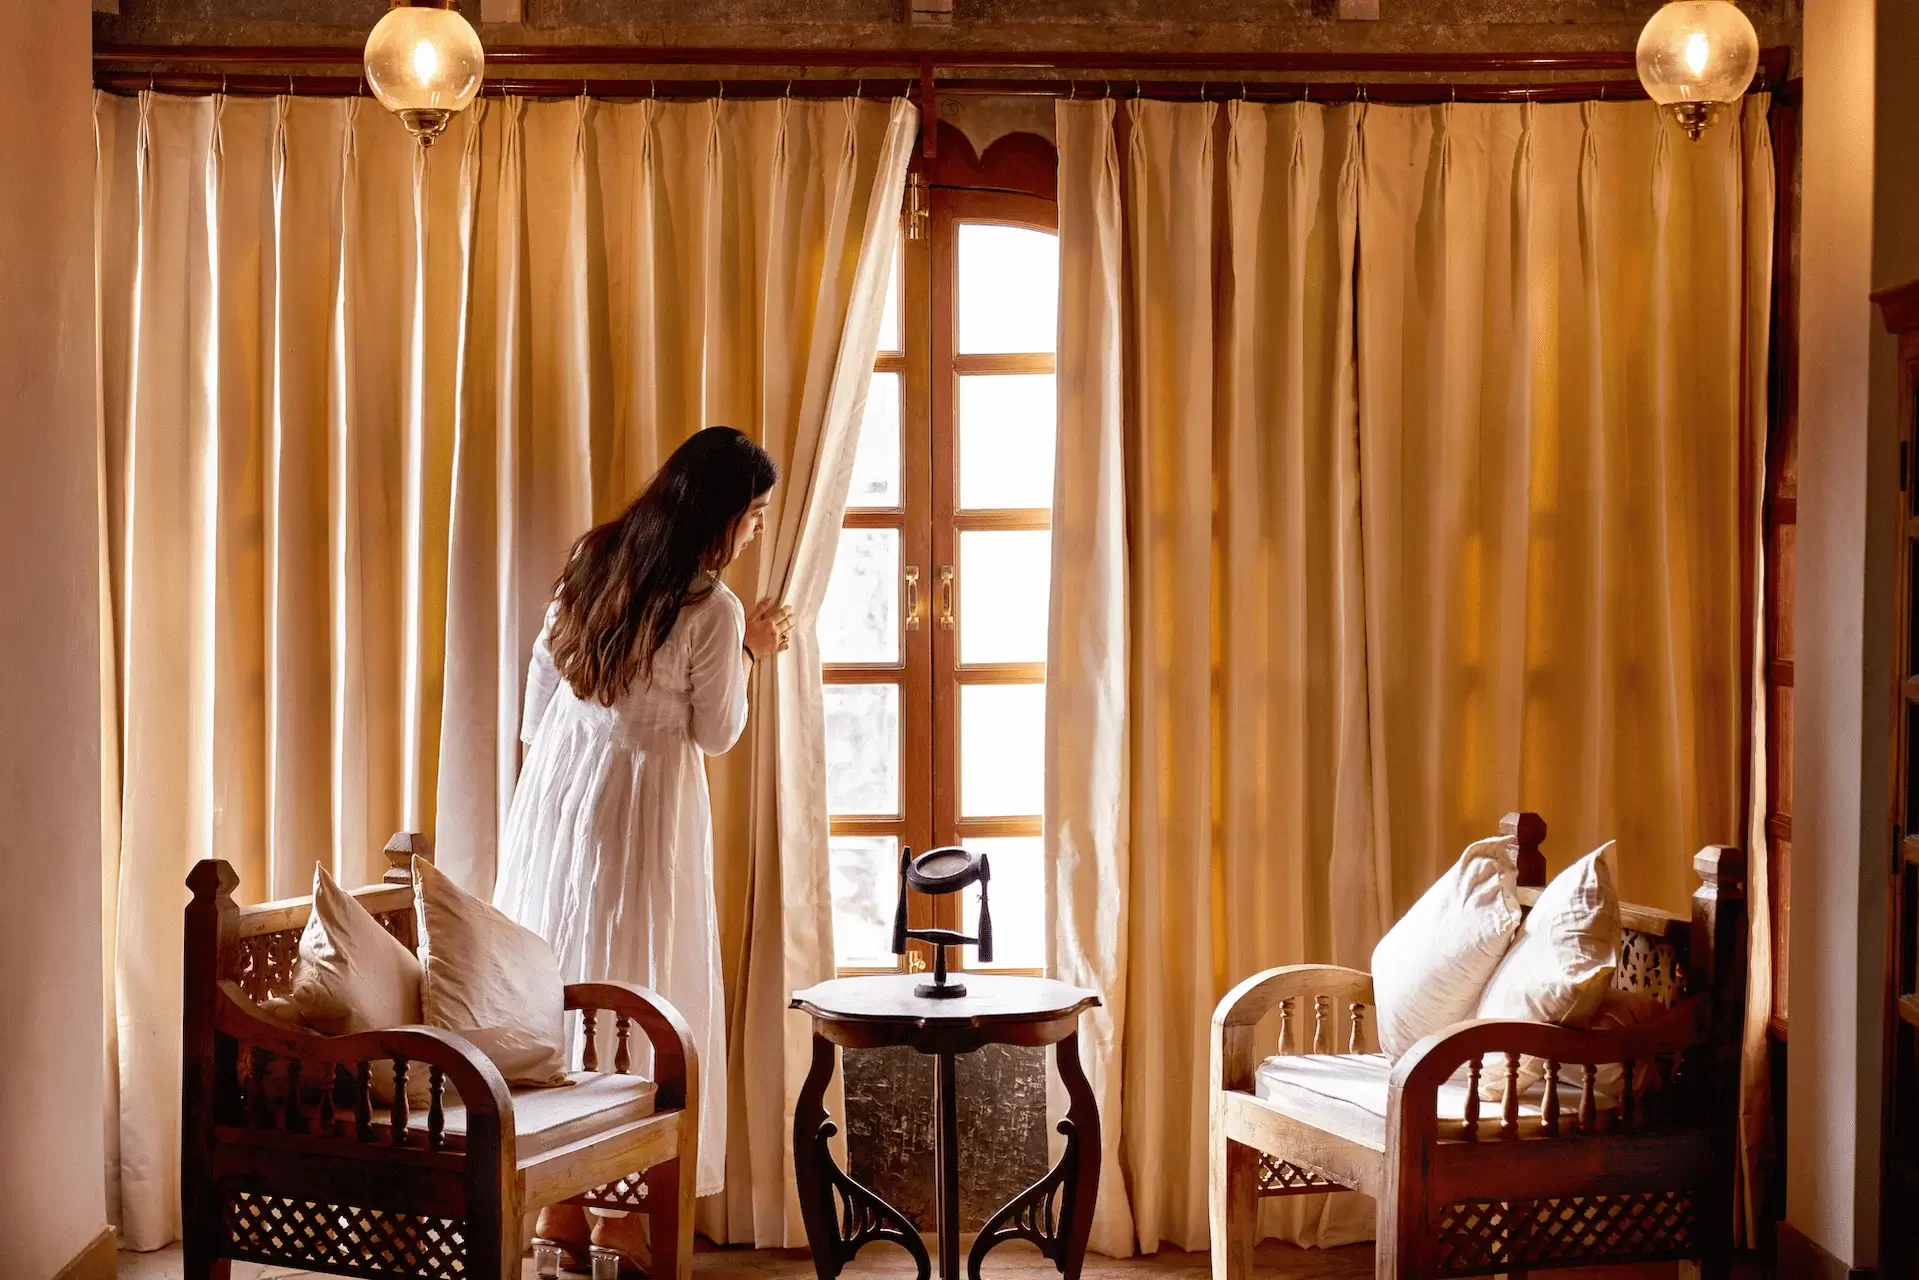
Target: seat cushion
1345	1093
590	1102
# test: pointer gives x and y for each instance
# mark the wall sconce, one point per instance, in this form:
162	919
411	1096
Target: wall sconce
1695	58
424	62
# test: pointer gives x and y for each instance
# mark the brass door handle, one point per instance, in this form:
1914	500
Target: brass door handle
912	597
947	621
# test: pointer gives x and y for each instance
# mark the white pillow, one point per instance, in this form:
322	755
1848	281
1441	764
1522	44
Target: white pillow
1561	963
490	979
1429	969
352	975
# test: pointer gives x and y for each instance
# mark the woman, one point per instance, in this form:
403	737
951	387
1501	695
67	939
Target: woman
641	667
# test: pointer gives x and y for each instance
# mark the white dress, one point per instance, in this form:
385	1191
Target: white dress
609	843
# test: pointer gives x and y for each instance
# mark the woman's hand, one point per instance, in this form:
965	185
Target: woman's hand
769	629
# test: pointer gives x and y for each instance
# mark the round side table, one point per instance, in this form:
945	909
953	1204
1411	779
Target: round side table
842	1216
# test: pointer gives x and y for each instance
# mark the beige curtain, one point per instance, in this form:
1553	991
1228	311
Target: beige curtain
357	400
1208	499
1433	434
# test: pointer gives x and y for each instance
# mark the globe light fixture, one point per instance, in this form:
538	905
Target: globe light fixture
424	62
1695	58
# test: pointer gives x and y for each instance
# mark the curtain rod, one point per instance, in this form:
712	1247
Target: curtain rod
1774	62
1323	91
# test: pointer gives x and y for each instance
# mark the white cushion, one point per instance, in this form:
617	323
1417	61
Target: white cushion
352	975
1562	962
490	979
1430	968
591	1102
1346	1094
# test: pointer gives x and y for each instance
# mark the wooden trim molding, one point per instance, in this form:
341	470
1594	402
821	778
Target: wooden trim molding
1803	1258
917	72
98	1261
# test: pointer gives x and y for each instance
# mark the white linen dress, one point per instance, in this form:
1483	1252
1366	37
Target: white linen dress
609	843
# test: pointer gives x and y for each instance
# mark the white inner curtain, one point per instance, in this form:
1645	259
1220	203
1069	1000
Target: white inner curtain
1409	468
357	399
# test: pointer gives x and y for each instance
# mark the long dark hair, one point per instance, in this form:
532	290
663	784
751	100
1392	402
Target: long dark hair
625	581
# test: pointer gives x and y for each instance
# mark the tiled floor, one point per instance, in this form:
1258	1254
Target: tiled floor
1018	1261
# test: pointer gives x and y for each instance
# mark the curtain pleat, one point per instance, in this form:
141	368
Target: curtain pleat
357	401
1436	433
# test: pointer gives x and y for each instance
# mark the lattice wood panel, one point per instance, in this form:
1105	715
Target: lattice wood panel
1650	965
264	963
1283	1178
1479	1236
628	1193
345	1240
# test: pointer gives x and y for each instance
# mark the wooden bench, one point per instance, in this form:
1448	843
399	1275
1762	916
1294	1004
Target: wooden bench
1560	1175
287	1159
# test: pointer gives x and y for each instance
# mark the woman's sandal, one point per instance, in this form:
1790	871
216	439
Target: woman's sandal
556	1247
610	1261
551	1257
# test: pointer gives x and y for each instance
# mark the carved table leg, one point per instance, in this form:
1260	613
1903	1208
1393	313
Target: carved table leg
1055	1214
841	1215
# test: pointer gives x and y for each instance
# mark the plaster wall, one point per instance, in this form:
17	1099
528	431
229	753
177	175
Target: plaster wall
52	1089
1859	231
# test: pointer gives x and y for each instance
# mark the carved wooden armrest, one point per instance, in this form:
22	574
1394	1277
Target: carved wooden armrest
1335	998
1571	1056
448	1058
676	1060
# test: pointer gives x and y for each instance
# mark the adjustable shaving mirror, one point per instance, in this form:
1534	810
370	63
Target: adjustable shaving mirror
937	872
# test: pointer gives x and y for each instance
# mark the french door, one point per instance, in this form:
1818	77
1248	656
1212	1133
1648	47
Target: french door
934	628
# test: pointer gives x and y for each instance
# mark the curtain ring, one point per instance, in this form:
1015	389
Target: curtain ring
1306	93
1136	89
1106	88
1242	91
1072	90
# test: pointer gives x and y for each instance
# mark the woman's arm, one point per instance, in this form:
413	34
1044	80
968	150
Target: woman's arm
542	679
718	670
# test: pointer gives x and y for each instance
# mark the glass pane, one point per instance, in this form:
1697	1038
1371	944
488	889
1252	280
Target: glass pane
859	620
1018	895
862	749
1003	580
865	889
1002	769
1006	432
890	317
1008	289
876	461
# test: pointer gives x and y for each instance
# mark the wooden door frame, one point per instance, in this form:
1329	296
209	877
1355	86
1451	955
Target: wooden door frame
1900	1070
950	207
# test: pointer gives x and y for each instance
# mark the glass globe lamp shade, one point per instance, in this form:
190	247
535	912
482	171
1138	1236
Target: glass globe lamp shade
424	62
1695	58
